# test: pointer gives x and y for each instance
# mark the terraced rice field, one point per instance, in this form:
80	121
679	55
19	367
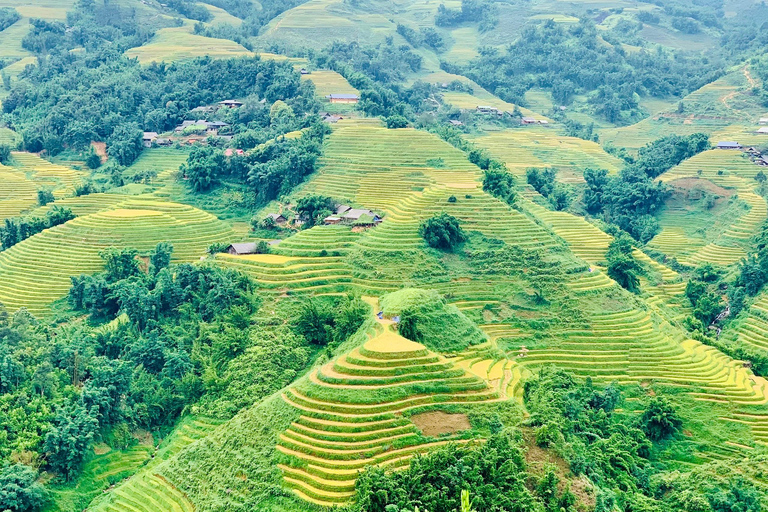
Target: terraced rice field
19	184
178	43
723	167
543	147
317	23
729	169
147	491
635	346
329	82
59	178
753	330
352	414
17	193
56	254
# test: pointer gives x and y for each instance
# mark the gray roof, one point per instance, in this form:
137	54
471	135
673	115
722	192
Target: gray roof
150	135
356	213
728	144
275	216
344	96
244	248
342	208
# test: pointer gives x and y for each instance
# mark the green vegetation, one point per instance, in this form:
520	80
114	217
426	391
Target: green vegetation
442	232
426	318
537	321
609	76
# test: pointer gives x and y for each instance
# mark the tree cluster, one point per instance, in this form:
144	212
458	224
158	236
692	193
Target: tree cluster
574	60
483	12
322	321
8	16
443	231
622	266
544	182
17	229
69	100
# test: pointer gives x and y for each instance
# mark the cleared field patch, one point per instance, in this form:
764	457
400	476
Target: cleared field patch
178	43
71	249
352	414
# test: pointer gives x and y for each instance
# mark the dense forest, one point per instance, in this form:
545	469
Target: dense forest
610	77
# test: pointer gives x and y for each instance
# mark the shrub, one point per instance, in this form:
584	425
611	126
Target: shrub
499	183
44	197
93	160
452	199
5	153
660	420
397	122
442	231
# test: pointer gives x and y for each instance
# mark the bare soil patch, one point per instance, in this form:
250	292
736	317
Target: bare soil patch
687	184
439	422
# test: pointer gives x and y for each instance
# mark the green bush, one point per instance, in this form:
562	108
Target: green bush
442	231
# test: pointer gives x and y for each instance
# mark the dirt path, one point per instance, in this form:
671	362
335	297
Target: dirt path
752	83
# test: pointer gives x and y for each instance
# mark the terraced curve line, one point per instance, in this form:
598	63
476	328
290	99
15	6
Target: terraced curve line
354	414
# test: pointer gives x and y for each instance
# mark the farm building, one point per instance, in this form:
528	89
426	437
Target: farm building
211	128
277	218
204	110
163	142
484	109
330	118
528	120
763	120
343	98
728	145
454	122
149	138
358	216
231	103
242	248
764	130
305	71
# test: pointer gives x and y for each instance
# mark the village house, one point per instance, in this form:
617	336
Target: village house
163	142
357	216
242	248
149	138
763	130
763	120
277	218
728	145
485	109
305	71
232	152
343	98
528	120
454	122
231	103
332	118
211	128
204	110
